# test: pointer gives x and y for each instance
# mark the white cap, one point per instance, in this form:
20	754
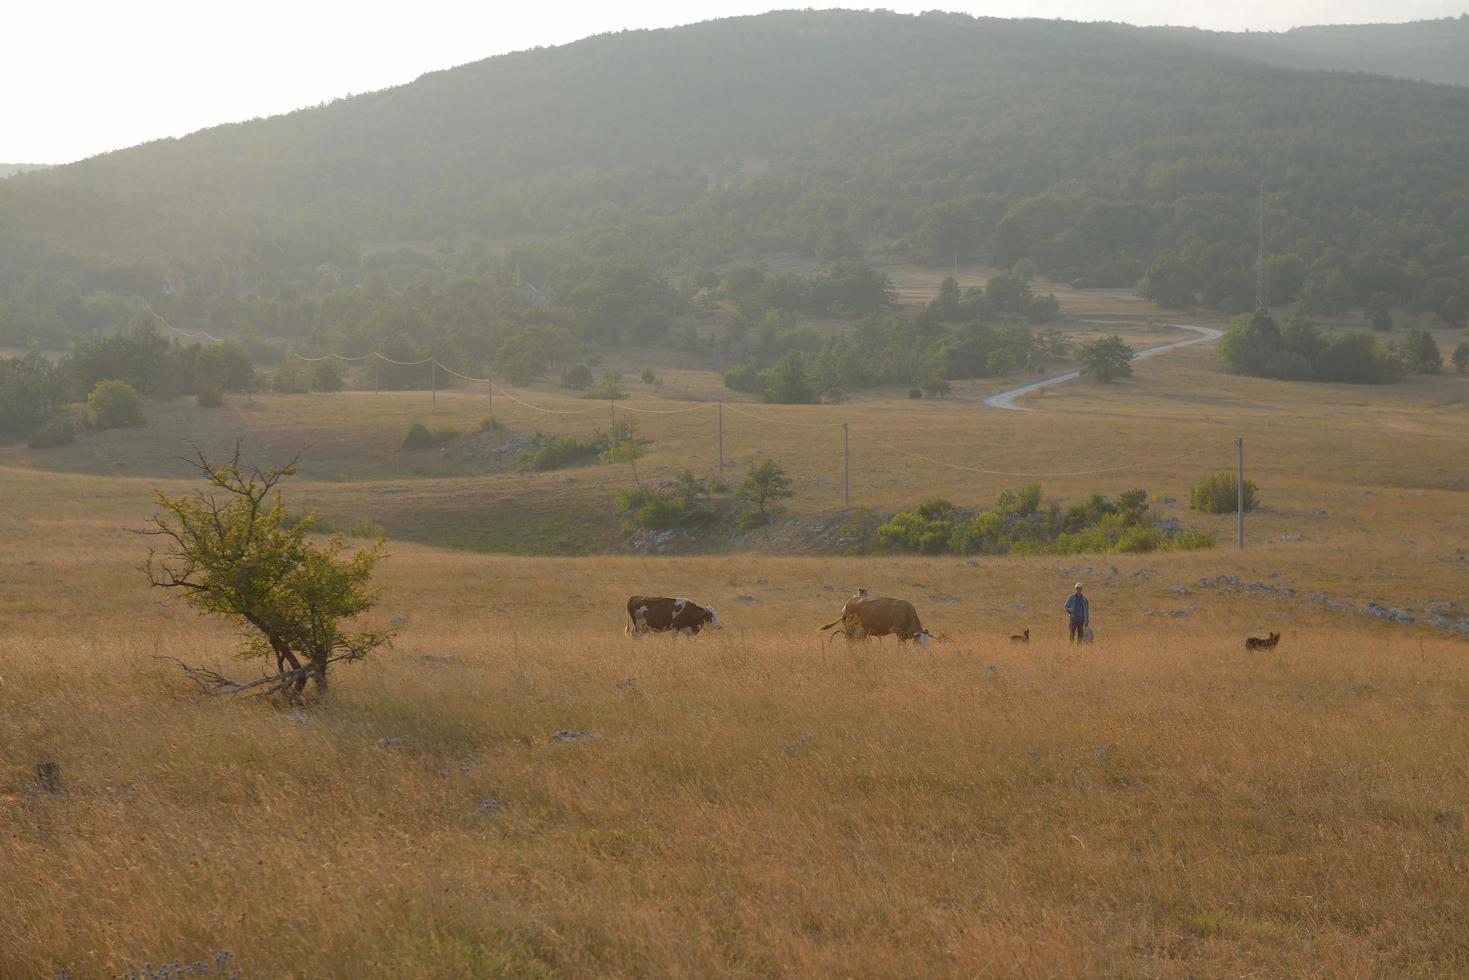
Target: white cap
1078	585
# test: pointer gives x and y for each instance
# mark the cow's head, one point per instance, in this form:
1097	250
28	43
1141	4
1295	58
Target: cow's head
711	620
923	638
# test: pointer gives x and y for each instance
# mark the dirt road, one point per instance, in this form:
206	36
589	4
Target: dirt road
1006	399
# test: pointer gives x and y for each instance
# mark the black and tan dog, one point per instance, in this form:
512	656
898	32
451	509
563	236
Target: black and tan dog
1021	637
1262	643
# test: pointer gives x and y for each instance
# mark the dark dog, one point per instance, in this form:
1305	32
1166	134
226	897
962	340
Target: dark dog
1021	637
1257	643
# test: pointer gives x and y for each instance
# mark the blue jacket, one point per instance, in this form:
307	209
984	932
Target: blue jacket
1079	608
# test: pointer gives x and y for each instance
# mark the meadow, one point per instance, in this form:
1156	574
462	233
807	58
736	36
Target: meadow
756	802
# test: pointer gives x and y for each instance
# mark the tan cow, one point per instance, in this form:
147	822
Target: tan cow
877	615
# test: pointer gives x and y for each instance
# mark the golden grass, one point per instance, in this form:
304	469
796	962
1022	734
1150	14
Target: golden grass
1162	803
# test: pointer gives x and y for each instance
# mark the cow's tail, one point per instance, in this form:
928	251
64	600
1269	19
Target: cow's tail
831	625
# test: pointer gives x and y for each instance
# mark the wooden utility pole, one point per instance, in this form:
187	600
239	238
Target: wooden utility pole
433	382
1239	445
846	468
721	440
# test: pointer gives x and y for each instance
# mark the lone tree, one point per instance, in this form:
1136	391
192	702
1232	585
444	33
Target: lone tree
234	552
1461	357
1106	359
764	486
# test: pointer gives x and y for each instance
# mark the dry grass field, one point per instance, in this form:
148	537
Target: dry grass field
754	802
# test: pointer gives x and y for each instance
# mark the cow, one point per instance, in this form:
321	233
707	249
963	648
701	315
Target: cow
659	614
875	615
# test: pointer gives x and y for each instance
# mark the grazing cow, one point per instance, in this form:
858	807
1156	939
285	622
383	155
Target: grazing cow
1021	637
875	615
658	614
1262	643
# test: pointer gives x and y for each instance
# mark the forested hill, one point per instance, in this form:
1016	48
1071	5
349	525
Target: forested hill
1424	50
1110	157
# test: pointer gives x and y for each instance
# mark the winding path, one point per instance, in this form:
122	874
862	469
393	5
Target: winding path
1006	399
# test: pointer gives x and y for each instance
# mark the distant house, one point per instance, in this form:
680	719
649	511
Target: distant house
530	295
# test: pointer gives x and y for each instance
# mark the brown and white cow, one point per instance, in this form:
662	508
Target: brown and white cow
658	614
879	615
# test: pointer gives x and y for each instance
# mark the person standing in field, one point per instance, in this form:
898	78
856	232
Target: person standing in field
1079	612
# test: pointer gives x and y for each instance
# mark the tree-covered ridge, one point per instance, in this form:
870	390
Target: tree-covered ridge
1108	157
1423	50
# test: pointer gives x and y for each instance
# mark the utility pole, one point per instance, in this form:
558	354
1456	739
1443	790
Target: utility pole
721	440
492	403
1239	445
612	430
433	382
846	468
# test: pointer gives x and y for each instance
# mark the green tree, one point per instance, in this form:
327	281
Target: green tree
1219	494
32	389
765	486
1379	311
623	446
949	299
1105	359
235	552
787	381
326	376
577	377
1420	353
1461	357
115	405
1169	282
611	388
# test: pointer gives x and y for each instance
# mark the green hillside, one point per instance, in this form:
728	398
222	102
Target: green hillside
657	160
1424	50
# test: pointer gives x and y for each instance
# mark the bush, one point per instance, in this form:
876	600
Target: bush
687	503
115	405
611	388
915	393
326	376
59	430
365	527
1419	352
1461	357
1018	525
1359	359
649	377
210	397
577	377
1219	494
292	377
557	452
32	390
421	436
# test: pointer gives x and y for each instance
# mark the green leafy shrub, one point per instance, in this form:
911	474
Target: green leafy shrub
686	503
557	452
649	376
292	377
209	396
365	527
115	405
611	388
326	376
1019	525
577	377
420	436
1219	494
59	430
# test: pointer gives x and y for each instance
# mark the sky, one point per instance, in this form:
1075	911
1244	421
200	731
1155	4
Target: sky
81	77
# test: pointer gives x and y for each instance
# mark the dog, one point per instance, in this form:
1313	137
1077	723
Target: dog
1262	643
1021	637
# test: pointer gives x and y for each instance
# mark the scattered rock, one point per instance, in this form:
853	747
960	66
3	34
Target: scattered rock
1179	590
745	598
488	808
299	717
804	742
397	619
567	735
394	742
942	597
48	776
1146	573
971	563
1292	537
1383	612
1225	582
1102	751
1319	512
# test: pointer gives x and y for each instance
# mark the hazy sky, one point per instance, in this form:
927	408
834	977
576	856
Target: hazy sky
79	78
